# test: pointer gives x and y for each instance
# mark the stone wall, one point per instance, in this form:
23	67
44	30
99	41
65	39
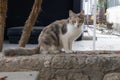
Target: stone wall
88	65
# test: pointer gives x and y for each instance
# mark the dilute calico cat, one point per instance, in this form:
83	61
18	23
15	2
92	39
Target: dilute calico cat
55	37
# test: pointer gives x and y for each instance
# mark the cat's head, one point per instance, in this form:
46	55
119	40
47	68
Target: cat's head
76	19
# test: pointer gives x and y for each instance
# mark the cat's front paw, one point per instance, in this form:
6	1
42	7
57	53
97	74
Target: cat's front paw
68	51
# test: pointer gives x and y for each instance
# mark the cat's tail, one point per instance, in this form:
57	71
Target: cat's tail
20	51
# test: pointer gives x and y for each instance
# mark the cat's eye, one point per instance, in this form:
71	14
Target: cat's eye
73	21
80	20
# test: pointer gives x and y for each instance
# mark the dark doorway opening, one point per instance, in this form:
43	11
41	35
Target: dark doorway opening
18	11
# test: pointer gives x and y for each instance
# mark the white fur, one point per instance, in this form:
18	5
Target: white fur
73	32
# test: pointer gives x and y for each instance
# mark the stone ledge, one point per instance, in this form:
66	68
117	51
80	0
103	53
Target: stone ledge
83	65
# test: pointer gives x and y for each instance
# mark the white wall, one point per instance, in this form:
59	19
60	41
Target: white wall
112	3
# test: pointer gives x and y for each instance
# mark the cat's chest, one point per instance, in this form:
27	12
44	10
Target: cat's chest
72	32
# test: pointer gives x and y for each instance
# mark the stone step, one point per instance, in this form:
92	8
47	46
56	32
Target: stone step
30	75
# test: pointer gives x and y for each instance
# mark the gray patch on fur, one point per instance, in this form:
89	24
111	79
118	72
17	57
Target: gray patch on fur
64	29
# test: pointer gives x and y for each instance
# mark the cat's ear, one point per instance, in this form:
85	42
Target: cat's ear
71	13
81	14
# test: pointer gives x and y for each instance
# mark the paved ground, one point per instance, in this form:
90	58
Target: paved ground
30	75
103	42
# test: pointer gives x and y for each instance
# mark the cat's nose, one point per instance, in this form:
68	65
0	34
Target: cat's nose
78	26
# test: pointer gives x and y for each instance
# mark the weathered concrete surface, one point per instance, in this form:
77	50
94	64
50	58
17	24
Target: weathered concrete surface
29	75
86	65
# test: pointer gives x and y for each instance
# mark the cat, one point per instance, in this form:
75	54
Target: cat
55	37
